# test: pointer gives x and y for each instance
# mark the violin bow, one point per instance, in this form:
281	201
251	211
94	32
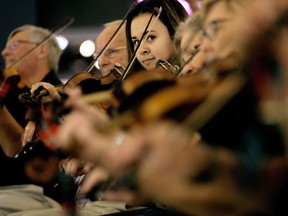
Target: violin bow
143	37
115	34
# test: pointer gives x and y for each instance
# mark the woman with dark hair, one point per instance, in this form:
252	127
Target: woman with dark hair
146	46
159	42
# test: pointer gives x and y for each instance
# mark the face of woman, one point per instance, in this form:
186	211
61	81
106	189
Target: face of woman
158	44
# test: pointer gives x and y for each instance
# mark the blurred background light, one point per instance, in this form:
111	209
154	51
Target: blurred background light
185	4
62	42
87	48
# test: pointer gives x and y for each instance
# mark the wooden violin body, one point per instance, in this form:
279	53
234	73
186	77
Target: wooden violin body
91	82
160	94
11	76
88	82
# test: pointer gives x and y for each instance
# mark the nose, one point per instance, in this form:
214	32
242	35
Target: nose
5	52
188	69
195	65
103	61
143	50
198	61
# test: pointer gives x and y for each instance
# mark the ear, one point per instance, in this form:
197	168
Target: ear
43	51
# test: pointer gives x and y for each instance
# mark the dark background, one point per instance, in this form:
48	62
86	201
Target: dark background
89	16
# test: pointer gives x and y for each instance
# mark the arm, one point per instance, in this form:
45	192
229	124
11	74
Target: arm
10	133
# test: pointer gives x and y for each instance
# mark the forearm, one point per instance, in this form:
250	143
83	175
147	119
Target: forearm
10	133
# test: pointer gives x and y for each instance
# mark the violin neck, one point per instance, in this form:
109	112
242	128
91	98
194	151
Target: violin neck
173	69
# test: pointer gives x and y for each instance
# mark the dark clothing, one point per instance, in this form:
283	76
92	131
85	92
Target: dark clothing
12	169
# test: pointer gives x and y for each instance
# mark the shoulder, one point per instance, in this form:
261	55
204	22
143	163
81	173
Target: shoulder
52	78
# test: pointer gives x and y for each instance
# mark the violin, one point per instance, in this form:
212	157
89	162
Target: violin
140	85
113	80
11	76
202	97
126	87
111	91
108	89
168	66
193	99
91	83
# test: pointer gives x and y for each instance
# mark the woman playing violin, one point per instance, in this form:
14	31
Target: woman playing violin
159	41
149	43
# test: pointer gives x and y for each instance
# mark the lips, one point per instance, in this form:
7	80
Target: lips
148	61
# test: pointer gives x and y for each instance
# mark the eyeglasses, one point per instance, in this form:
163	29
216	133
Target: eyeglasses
212	29
109	53
14	45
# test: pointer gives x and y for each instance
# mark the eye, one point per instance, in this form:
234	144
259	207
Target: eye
110	52
211	31
135	43
151	37
215	29
13	45
197	47
203	35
